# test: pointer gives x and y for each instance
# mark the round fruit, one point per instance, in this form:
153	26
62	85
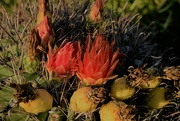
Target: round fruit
116	111
156	98
80	102
153	80
152	83
42	103
120	90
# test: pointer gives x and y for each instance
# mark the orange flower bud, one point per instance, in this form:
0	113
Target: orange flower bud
62	61
46	33
43	10
96	10
43	27
98	62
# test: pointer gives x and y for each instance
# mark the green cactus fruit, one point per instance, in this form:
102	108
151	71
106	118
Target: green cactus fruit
156	98
31	65
120	90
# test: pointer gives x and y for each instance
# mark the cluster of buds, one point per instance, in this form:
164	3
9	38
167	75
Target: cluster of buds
92	63
93	67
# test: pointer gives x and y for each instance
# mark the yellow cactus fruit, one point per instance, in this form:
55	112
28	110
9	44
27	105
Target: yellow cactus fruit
156	98
152	83
144	78
42	103
153	80
81	102
120	90
116	111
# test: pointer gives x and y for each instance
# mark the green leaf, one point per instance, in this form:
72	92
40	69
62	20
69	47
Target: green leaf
43	116
30	76
6	94
15	114
5	72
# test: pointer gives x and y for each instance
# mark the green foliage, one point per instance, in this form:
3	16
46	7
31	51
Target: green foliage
164	14
149	10
31	65
4	72
8	4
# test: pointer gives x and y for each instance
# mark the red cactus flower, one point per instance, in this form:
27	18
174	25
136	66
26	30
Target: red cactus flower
98	62
96	10
62	62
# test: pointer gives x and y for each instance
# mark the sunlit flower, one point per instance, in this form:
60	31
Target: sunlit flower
96	10
62	62
98	62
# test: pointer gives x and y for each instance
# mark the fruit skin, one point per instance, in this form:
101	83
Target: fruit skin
152	83
116	111
42	103
120	90
156	98
110	112
80	102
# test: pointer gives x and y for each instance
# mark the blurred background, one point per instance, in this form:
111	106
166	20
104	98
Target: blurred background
165	14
